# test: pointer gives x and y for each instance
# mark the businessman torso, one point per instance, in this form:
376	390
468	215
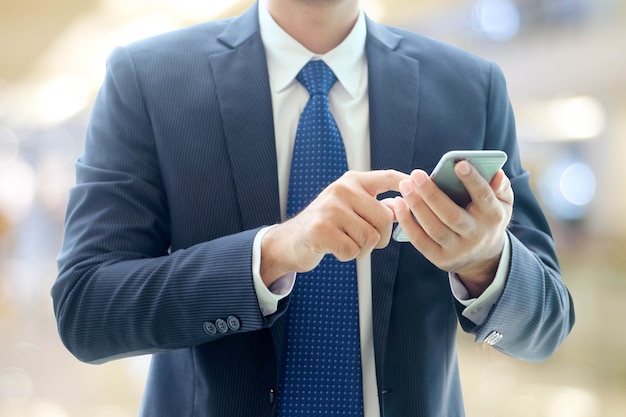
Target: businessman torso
196	109
217	143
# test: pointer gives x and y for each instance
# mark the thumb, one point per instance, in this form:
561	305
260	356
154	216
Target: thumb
388	202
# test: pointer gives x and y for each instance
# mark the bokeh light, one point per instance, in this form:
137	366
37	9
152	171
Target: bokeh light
573	402
580	117
18	183
567	188
566	118
9	146
498	20
16	385
578	184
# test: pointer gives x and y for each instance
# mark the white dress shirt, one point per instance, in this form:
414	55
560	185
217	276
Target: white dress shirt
349	104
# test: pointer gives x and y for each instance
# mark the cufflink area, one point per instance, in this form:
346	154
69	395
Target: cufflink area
493	338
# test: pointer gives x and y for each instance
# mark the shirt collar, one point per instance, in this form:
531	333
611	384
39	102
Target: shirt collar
286	56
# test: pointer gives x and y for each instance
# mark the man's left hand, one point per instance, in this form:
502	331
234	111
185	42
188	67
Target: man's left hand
466	241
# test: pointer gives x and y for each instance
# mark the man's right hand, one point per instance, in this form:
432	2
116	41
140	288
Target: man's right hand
345	220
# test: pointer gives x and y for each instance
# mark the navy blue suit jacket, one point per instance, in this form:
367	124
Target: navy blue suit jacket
179	172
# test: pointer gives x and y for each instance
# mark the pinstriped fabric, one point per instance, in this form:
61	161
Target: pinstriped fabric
427	330
248	125
528	321
397	106
140	322
126	210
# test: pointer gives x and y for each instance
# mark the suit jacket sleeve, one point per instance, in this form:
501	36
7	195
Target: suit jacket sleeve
120	291
535	312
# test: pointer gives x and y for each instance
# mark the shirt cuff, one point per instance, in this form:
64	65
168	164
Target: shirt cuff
477	309
268	298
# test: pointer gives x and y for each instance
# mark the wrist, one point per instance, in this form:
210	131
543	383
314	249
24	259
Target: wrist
272	257
480	276
476	285
478	279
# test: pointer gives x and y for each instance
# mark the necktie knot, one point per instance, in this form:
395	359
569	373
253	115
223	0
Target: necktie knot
317	77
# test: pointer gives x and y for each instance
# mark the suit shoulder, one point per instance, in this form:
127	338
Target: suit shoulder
438	53
202	37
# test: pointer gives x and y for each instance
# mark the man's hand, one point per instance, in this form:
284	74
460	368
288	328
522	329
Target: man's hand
345	220
467	241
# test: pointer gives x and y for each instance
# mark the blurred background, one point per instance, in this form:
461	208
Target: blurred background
566	70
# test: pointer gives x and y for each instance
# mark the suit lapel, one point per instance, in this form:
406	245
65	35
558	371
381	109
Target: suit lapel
393	95
246	104
242	85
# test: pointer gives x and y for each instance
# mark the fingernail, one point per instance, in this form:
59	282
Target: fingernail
464	167
406	187
419	177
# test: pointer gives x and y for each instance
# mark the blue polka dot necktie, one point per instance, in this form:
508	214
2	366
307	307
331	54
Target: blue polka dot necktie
322	373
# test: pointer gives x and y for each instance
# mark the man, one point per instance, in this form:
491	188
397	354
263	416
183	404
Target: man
178	241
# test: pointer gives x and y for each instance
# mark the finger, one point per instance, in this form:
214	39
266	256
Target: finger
358	216
389	203
373	230
365	221
340	236
377	214
407	221
501	185
386	228
377	182
431	207
357	238
437	213
429	192
478	188
416	234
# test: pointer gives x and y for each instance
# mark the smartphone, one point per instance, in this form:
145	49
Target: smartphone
487	163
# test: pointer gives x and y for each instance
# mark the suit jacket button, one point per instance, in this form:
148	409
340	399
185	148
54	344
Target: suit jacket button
210	328
233	323
272	396
221	325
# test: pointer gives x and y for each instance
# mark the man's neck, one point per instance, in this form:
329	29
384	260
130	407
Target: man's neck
319	25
